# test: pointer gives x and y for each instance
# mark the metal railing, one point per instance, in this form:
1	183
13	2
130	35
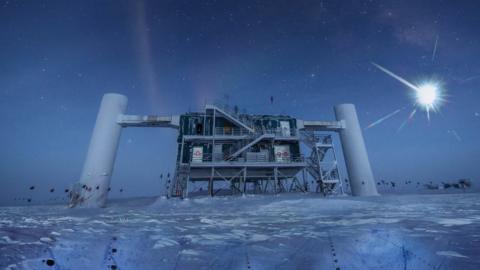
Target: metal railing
311	139
236	131
231	131
234	111
220	158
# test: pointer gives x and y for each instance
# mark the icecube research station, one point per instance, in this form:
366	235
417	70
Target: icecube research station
235	153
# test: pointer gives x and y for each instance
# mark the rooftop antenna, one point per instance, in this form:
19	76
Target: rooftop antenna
226	98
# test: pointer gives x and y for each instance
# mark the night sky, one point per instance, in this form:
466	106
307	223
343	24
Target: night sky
57	59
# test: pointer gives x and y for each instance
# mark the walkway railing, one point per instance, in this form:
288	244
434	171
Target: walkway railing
236	131
220	158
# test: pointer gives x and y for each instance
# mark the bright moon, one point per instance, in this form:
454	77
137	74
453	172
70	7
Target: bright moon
427	95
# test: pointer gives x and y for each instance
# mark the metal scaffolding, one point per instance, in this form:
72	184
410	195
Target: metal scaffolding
262	155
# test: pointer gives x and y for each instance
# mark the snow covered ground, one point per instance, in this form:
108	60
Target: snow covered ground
289	231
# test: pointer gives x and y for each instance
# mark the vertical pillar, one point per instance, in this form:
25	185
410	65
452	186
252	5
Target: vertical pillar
245	180
98	167
210	183
275	179
362	182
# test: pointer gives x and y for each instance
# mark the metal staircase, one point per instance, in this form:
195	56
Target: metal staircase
257	139
321	165
234	118
230	116
179	186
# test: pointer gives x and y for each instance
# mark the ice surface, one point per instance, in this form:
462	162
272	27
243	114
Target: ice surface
290	231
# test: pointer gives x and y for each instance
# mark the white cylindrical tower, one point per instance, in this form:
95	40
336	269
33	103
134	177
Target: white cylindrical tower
360	173
97	171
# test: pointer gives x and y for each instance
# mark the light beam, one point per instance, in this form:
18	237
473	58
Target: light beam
435	48
383	118
455	134
410	117
395	76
